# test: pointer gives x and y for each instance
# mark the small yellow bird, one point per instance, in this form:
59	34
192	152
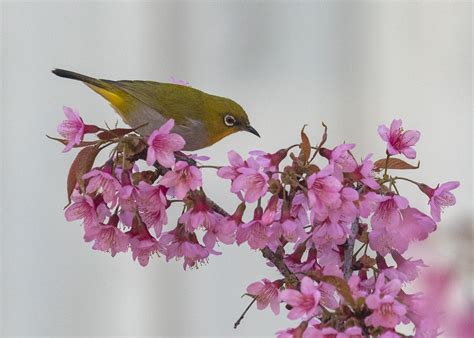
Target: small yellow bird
201	119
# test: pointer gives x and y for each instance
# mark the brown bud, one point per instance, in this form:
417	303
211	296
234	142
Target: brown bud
274	186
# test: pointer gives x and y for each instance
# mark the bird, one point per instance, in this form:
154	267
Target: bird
200	118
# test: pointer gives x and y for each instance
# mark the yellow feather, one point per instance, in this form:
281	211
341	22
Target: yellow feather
115	100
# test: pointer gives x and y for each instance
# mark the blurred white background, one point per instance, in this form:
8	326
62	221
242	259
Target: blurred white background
352	65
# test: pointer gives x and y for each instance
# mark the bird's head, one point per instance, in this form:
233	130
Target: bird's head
226	117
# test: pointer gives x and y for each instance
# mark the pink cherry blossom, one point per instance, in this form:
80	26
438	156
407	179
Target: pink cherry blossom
128	197
200	214
413	226
398	140
296	264
328	291
83	207
162	144
388	212
440	197
178	243
416	225
347	211
257	233
369	202
395	225
252	181
323	193
107	237
72	129
181	179
143	247
355	286
103	180
222	231
328	251
266	293
351	332
288	333
152	206
269	162
365	174
325	332
330	232
387	311
299	208
341	159
406	270
304	302
236	162
292	229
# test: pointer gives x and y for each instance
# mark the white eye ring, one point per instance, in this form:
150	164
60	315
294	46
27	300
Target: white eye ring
229	120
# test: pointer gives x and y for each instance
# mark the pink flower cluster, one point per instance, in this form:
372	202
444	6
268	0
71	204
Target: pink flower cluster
328	222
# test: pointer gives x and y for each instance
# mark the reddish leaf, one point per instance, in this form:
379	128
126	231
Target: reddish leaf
394	163
114	133
325	135
305	146
341	286
65	142
82	164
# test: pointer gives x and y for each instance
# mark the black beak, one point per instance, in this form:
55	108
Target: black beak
252	130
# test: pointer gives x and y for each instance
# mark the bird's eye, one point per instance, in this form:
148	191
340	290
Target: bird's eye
229	120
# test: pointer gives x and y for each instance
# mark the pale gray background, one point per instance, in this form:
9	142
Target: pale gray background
352	65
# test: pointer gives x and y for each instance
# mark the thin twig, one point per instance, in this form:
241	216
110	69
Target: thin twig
237	323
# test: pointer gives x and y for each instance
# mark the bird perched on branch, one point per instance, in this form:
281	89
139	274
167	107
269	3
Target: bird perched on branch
201	119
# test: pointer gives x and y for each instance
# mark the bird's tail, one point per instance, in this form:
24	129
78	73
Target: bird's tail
113	94
76	76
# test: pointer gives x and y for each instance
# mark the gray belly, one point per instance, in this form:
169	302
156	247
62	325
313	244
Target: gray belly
192	131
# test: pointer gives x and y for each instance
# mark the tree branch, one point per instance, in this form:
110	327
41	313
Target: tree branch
277	260
349	249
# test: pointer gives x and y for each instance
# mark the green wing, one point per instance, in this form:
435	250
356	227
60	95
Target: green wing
170	100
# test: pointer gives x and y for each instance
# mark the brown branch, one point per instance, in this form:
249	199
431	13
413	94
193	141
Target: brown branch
217	208
277	260
349	250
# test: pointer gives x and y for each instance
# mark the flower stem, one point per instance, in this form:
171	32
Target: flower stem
406	179
386	166
209	166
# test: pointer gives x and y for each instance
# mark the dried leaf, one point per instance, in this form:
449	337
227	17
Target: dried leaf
305	147
341	286
394	163
82	164
325	135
